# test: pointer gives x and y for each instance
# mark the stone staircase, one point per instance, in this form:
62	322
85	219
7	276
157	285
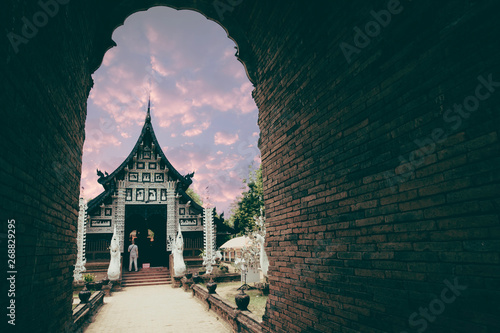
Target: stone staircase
146	277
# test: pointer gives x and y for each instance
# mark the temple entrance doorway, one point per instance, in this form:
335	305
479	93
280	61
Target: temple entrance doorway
147	226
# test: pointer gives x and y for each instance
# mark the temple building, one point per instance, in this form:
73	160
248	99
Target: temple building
145	199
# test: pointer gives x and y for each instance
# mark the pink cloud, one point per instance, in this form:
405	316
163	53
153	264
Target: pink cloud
226	139
96	139
224	163
197	129
89	176
206	93
160	68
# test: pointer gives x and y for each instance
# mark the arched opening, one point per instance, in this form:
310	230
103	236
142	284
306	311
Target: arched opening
201	108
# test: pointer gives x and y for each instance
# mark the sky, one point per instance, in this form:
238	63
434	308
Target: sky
202	109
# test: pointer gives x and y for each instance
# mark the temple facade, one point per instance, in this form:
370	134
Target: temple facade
145	199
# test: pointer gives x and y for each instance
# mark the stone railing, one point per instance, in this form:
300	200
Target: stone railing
240	321
83	312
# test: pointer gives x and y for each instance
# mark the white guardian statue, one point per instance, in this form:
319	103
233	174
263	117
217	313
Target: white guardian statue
114	264
260	237
178	249
264	262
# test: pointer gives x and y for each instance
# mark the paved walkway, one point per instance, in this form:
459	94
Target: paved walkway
154	309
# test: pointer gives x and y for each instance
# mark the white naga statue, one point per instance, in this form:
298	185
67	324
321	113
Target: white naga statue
114	263
264	262
178	250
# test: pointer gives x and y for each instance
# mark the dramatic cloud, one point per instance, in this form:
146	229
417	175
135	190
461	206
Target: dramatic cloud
227	139
197	129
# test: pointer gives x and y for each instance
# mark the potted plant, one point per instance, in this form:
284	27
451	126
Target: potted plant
89	281
242	300
84	294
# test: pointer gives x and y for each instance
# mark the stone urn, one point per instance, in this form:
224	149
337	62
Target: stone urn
242	300
211	286
84	295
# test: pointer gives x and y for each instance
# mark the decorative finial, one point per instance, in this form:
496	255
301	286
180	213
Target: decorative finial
148	115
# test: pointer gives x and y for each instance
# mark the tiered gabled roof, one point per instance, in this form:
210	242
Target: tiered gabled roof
94	203
147	135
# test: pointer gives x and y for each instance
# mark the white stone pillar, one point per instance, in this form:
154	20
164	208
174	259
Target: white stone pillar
171	215
209	240
80	241
119	214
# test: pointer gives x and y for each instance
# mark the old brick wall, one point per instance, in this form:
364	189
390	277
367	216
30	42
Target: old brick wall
353	248
43	96
357	239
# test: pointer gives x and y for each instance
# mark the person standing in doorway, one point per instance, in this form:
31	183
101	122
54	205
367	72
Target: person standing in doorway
134	254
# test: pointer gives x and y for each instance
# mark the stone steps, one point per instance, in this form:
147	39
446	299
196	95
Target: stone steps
146	277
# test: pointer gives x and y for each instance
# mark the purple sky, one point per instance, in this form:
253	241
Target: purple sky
201	105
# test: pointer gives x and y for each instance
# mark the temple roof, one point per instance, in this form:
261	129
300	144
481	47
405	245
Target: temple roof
147	132
186	197
94	203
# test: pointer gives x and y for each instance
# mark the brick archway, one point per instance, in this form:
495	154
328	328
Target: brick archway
379	194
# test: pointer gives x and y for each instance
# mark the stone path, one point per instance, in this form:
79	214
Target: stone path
154	309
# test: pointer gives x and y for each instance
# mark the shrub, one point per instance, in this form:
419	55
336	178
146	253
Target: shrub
88	277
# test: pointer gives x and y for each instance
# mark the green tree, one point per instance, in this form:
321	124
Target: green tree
249	204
